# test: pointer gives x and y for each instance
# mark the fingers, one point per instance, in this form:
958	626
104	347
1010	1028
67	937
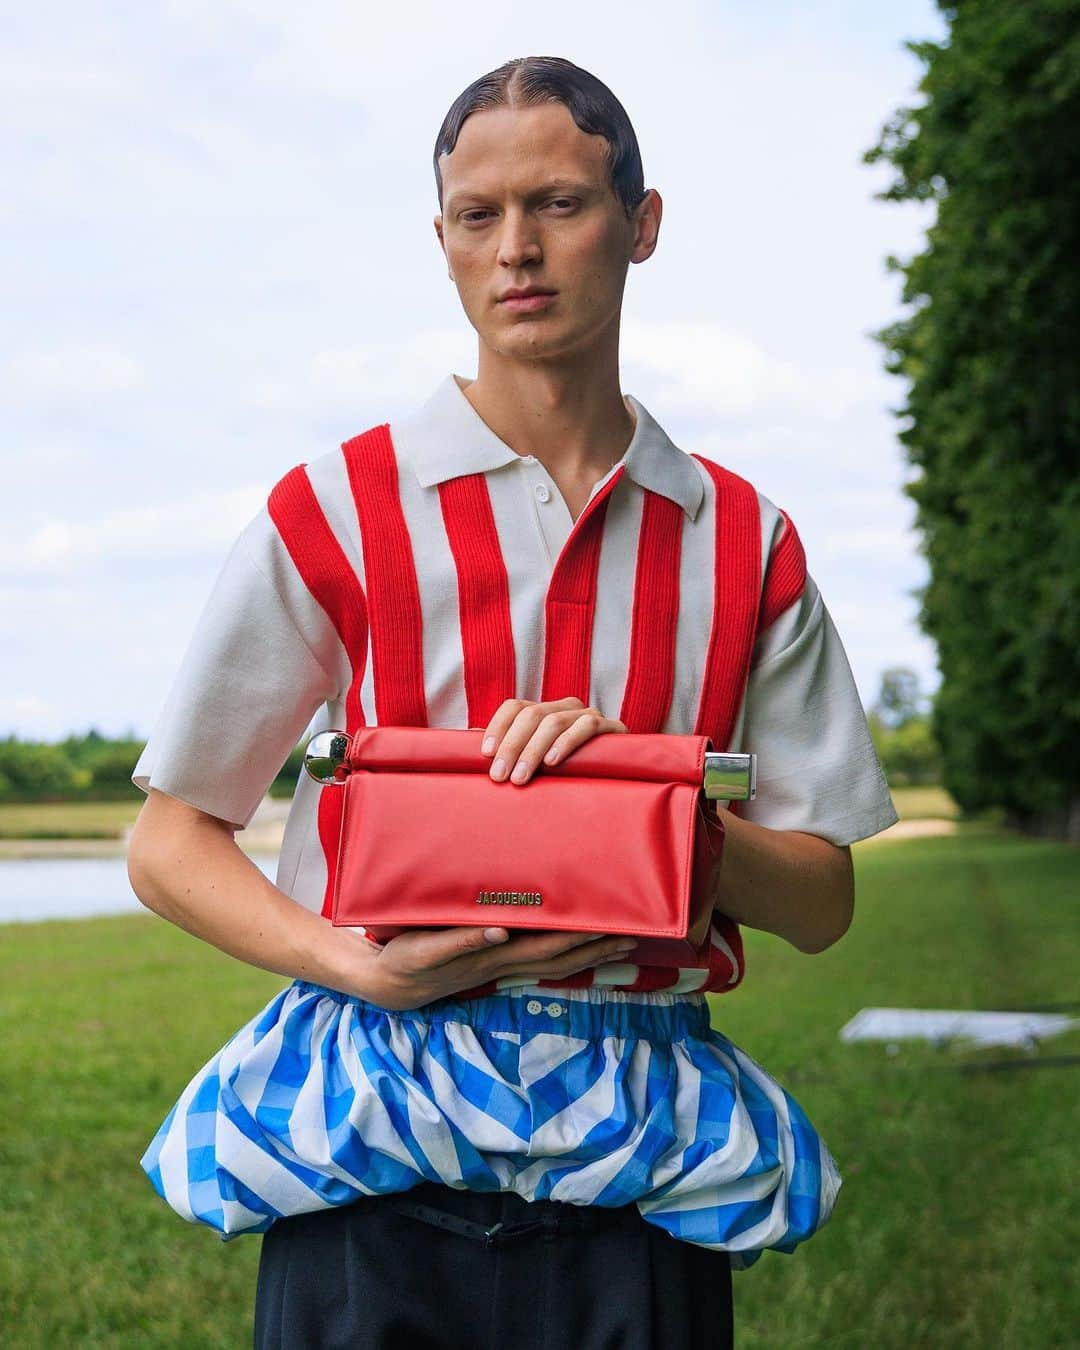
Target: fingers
510	710
584	727
536	958
427	948
545	946
423	949
581	958
425	964
523	734
502	964
569	963
519	723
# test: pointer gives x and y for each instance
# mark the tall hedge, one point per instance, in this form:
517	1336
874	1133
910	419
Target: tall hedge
991	423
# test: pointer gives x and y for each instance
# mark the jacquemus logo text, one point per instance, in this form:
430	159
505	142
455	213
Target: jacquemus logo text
510	898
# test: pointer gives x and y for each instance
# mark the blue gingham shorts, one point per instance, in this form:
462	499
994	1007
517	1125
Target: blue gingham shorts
592	1096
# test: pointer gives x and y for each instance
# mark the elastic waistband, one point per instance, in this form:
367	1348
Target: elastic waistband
586	1013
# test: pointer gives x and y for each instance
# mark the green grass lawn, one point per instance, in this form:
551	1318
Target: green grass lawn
67	820
956	1225
924	803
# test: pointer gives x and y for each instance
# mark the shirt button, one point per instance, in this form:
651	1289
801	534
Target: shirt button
542	492
555	1009
534	1005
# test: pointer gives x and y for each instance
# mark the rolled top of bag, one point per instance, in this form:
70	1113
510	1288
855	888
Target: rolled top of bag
330	756
640	756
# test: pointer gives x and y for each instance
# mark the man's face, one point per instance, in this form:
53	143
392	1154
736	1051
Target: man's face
527	202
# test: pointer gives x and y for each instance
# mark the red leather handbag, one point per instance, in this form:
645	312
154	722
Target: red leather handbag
619	837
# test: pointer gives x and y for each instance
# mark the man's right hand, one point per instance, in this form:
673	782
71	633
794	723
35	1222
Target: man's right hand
424	964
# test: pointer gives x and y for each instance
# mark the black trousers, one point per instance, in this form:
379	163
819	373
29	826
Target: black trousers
367	1277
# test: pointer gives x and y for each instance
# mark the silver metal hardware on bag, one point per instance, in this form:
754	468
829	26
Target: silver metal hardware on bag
727	777
324	756
730	777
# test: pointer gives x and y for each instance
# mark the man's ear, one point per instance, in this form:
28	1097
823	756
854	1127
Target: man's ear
437	222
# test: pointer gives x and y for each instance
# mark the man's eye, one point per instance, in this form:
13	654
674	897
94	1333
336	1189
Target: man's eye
476	216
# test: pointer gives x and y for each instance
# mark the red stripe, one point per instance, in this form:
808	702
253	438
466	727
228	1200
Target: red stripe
393	596
737	586
478	990
785	575
650	677
736	600
487	637
652	978
329	822
581	979
325	570
570	604
785	579
723	977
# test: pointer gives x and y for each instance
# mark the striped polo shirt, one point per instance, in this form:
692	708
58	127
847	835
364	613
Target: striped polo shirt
425	571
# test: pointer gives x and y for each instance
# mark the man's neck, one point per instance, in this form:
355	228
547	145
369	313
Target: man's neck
577	431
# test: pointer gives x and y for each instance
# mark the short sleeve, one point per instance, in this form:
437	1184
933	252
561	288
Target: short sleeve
817	767
256	669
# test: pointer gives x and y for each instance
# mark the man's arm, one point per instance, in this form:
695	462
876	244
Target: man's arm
799	886
186	865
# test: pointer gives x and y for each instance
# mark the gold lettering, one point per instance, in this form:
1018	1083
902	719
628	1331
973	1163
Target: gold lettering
510	898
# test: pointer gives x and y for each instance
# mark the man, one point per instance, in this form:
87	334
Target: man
527	552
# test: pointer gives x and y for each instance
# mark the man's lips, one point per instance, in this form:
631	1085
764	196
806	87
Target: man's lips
537	300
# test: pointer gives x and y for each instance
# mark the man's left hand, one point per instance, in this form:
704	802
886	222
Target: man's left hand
523	734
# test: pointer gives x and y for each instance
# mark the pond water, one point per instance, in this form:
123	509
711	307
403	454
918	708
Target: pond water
76	888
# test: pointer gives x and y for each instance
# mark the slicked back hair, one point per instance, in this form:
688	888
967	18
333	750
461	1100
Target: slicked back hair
528	80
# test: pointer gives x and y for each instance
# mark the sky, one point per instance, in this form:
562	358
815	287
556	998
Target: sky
220	262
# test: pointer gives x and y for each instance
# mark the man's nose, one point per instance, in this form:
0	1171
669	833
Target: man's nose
518	240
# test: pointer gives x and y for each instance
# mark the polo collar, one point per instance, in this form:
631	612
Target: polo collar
446	437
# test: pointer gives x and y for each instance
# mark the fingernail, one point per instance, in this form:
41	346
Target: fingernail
521	772
488	745
496	934
498	768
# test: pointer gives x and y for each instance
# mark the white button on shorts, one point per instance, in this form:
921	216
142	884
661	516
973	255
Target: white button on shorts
534	1006
555	1009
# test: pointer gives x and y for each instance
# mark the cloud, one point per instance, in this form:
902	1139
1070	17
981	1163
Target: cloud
73	372
876	545
197	526
31	708
709	368
377	373
26	467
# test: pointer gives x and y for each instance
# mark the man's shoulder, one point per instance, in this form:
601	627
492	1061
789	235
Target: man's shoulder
774	519
309	501
322	480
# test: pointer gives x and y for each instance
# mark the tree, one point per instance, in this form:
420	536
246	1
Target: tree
902	732
993	406
899	697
